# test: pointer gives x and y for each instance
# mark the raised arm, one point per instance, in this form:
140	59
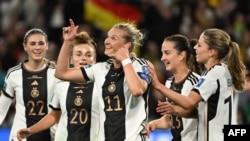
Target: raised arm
63	71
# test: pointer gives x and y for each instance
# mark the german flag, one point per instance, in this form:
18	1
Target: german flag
106	13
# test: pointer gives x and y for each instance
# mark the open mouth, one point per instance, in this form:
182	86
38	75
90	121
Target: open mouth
82	64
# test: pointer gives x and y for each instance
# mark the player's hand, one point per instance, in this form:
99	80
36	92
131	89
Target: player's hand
152	74
23	133
120	54
69	32
164	108
150	127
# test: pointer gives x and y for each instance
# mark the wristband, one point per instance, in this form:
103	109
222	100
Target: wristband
126	61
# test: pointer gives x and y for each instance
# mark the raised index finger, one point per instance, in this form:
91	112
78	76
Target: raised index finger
71	22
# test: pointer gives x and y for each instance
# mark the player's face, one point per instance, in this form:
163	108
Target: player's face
36	47
115	40
170	56
202	51
83	55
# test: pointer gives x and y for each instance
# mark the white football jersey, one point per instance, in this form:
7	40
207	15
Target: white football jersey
183	129
79	112
122	115
32	92
216	110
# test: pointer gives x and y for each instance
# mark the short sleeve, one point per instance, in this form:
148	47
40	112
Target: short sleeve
141	69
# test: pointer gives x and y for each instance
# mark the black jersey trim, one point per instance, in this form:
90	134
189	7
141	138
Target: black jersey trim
143	133
195	90
56	109
193	79
84	74
141	61
7	95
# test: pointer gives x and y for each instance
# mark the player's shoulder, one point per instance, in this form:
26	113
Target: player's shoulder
103	64
194	75
13	70
215	71
141	61
193	78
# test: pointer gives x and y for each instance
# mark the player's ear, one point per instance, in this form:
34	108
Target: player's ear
128	45
24	47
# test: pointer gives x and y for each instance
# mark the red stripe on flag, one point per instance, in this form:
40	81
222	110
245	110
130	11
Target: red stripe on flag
122	10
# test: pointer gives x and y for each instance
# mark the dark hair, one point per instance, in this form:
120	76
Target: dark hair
228	52
182	43
34	31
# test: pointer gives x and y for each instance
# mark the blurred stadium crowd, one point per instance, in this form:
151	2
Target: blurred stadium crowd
157	18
